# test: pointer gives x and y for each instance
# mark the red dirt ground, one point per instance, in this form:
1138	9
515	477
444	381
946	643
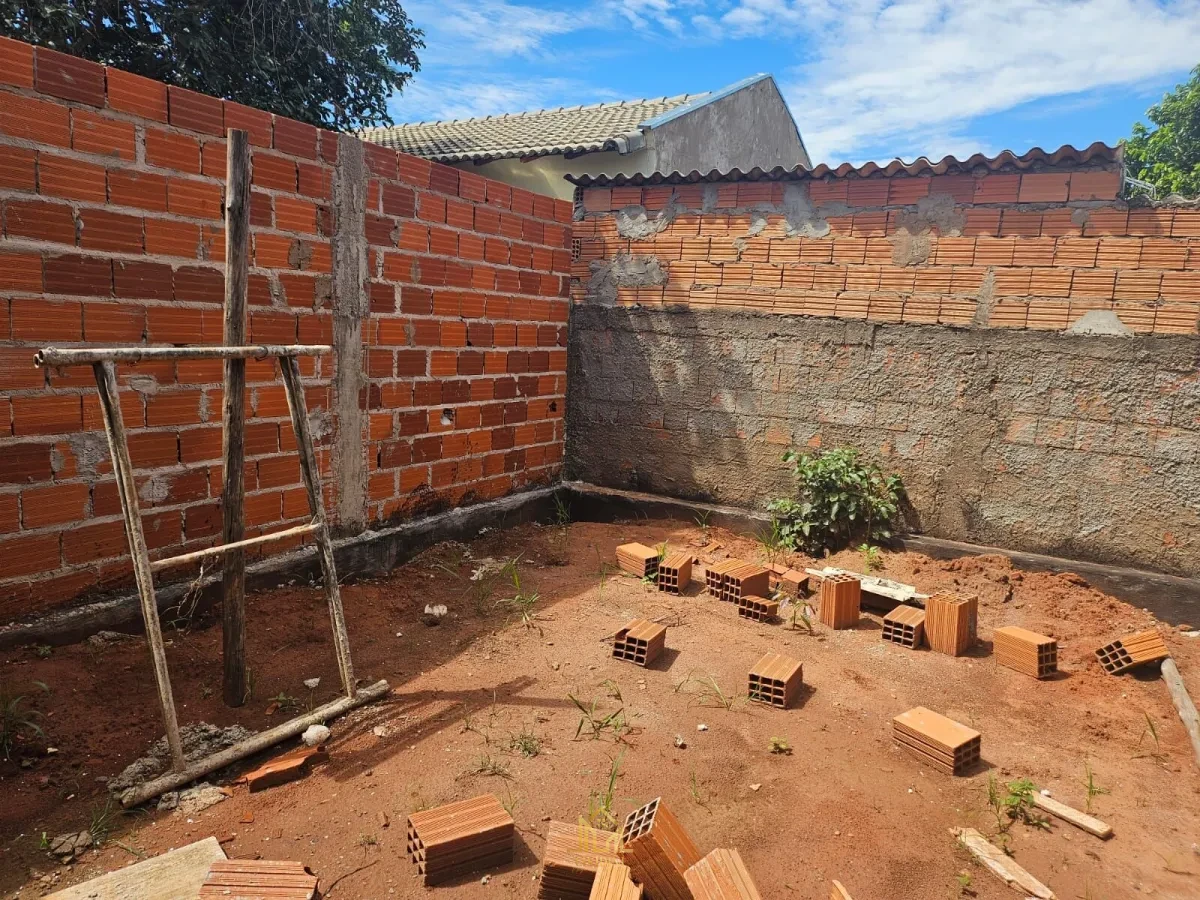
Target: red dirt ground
845	804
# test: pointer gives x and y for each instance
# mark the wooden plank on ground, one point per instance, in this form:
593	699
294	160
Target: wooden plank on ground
1090	824
169	876
1000	865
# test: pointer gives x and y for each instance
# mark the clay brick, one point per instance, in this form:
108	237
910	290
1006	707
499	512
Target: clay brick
458	838
83	275
904	625
57	504
102	135
658	851
997	188
1020	223
172	150
101	229
195	112
1181	286
865	192
744	580
1095	185
16	63
951	620
295	138
841	600
111	323
285	768
69	77
941	742
1151	222
639	642
775	680
256	878
612	881
1044	187
41	121
1026	651
1132	651
197	199
70	179
757	609
18	169
675	572
1163	253
571	859
721	875
255	122
166	237
40	221
30	554
1106	221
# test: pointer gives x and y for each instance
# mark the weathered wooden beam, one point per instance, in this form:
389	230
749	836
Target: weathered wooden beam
1090	824
85	356
1183	703
235	681
210	552
1000	865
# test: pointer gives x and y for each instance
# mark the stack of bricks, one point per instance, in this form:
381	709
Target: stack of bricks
905	625
572	857
460	838
614	882
1132	651
841	600
936	740
112	190
675	572
744	580
637	560
658	851
721	875
250	879
1026	651
775	680
640	642
758	609
951	622
714	576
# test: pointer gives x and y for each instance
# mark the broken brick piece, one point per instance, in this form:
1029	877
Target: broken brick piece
572	857
460	838
1025	651
904	625
714	575
613	882
675	572
841	601
721	875
282	769
640	642
792	583
776	679
258	879
938	741
759	609
658	851
950	622
637	559
1132	651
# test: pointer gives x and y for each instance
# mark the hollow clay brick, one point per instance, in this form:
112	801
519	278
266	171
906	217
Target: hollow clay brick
841	600
905	625
714	575
637	559
758	609
675	572
1132	651
721	875
1026	651
747	579
613	882
459	838
571	859
658	851
950	622
258	878
640	642
941	742
776	680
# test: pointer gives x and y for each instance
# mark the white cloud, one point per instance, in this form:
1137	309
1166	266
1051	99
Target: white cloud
490	27
912	74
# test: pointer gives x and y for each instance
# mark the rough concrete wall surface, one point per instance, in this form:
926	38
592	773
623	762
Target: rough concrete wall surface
1081	446
443	293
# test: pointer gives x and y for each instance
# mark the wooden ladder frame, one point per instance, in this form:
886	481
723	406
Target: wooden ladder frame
103	362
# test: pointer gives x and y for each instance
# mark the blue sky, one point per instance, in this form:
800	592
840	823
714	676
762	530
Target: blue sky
865	79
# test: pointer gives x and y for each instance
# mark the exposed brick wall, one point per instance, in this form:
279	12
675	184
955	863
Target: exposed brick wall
927	327
1007	249
111	188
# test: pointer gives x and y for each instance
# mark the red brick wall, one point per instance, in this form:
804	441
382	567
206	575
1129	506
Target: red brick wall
1006	249
111	188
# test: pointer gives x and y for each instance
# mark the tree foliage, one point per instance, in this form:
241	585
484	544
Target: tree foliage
332	63
1168	155
840	499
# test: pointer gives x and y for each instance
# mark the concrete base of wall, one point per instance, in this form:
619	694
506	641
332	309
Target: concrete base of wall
1172	599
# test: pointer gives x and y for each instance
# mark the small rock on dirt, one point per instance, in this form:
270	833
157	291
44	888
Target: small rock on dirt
315	735
702	727
193	800
67	846
756	787
680	742
105	638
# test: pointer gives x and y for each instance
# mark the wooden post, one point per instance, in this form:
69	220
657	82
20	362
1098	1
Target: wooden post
312	484
1183	703
233	445
114	428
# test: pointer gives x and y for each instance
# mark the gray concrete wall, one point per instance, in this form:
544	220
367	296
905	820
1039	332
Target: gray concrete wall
547	174
1079	446
748	128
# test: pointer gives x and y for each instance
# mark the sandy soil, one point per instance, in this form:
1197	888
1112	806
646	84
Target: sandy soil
845	804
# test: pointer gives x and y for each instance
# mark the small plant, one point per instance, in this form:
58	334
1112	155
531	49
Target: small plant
102	822
600	803
708	693
1152	730
562	511
773	542
17	719
801	616
366	841
594	723
1093	789
697	795
779	746
487	766
872	561
840	498
702	523
612	689
283	702
651	580
1014	803
43	651
526	743
522	602
964	883
510	802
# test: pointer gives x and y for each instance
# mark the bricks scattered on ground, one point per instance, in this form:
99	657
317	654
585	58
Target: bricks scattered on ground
745	580
905	625
714	575
841	601
951	622
282	769
640	642
658	851
460	838
572	858
759	609
258	879
637	559
1131	651
721	875
776	679
936	740
675	572
613	882
1026	651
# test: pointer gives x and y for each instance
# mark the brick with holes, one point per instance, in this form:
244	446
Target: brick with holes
614	882
637	559
936	740
675	572
951	622
905	625
1132	651
758	609
571	859
776	680
658	851
714	575
640	642
1026	651
841	601
460	838
746	580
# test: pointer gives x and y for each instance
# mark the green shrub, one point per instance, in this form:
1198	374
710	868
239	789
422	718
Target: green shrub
840	499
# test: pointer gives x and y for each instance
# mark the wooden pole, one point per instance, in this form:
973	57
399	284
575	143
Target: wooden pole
1183	703
196	556
233	412
114	428
136	796
86	356
312	484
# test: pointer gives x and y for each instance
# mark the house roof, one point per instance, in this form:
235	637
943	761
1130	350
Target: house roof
1098	152
567	130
